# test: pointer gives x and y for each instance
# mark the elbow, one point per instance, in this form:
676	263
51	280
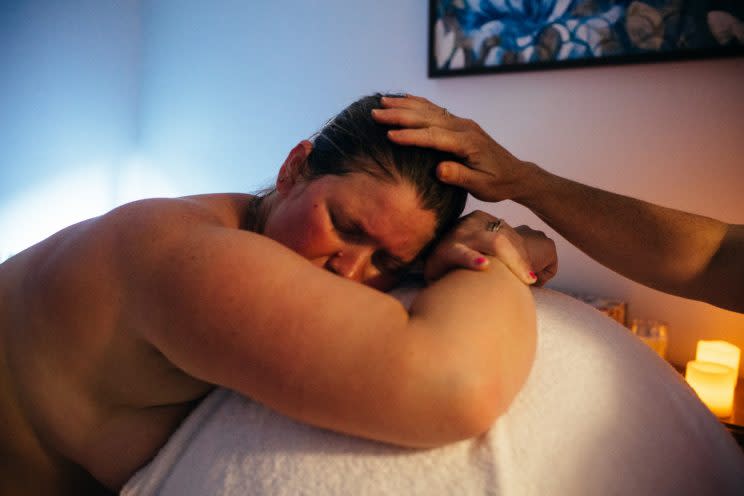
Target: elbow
480	399
464	394
476	412
475	415
464	414
485	395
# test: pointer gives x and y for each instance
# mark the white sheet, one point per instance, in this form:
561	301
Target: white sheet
599	414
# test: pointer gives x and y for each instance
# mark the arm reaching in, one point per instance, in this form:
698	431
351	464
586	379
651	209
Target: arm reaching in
677	252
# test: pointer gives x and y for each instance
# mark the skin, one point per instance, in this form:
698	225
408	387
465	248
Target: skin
673	251
528	253
114	328
378	234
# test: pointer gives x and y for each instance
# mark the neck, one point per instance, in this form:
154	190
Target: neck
260	209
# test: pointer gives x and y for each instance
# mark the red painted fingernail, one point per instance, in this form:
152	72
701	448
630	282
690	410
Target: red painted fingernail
480	260
533	275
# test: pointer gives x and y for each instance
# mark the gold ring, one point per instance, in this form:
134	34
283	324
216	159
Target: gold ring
494	226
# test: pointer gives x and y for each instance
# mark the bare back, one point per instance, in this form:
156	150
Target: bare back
84	393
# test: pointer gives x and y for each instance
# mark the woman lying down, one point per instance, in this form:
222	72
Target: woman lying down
115	328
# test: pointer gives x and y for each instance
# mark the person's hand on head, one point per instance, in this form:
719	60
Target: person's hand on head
487	170
478	236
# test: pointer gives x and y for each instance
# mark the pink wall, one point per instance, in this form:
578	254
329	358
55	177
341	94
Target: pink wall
671	133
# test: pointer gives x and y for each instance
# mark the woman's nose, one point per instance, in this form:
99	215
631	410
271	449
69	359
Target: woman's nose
350	263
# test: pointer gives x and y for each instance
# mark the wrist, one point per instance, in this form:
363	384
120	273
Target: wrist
531	184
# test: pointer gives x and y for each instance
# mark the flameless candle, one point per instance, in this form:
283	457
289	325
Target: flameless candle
714	384
718	352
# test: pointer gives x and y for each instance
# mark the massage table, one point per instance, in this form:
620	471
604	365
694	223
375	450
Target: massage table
600	414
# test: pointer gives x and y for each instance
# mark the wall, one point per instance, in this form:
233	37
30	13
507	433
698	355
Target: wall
229	90
215	94
68	93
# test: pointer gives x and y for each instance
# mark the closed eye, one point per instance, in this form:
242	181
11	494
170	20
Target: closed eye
388	264
348	229
352	231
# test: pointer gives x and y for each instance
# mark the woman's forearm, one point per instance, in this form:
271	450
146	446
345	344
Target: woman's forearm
331	352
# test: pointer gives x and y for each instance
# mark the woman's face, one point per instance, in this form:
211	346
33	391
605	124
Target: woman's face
356	225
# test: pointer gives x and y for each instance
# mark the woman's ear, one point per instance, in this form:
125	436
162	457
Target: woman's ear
294	167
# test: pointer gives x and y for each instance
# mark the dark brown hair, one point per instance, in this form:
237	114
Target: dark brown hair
354	142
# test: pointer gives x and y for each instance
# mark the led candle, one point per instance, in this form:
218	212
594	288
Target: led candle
714	384
718	352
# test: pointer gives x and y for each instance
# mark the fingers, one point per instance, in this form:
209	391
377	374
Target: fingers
457	174
407	101
431	137
416	112
507	247
542	253
400	117
416	118
418	98
505	244
453	256
500	175
546	274
468	244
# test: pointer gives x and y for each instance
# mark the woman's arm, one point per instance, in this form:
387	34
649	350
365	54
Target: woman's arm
234	308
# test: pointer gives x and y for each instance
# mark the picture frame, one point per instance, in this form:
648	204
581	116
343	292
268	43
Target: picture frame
488	36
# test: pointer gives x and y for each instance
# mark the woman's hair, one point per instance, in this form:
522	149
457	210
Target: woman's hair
354	142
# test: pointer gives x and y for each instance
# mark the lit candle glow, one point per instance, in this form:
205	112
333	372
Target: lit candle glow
719	352
714	384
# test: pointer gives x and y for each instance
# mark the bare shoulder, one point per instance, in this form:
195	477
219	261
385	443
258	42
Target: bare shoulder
172	214
140	230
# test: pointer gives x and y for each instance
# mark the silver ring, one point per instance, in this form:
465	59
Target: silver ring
494	226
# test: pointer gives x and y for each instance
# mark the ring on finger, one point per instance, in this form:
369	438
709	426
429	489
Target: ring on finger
494	226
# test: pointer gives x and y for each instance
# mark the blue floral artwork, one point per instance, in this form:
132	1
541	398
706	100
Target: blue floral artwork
471	36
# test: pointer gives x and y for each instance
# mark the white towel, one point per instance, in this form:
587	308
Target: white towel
600	414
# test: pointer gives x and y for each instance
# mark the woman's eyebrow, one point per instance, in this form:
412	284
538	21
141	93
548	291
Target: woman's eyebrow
388	253
354	223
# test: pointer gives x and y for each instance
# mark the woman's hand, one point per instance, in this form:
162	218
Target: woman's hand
541	252
487	170
529	254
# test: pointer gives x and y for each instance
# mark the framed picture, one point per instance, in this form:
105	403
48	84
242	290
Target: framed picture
482	36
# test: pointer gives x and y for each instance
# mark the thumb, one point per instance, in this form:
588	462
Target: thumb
465	177
455	173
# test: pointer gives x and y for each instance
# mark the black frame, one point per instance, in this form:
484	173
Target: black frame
666	56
